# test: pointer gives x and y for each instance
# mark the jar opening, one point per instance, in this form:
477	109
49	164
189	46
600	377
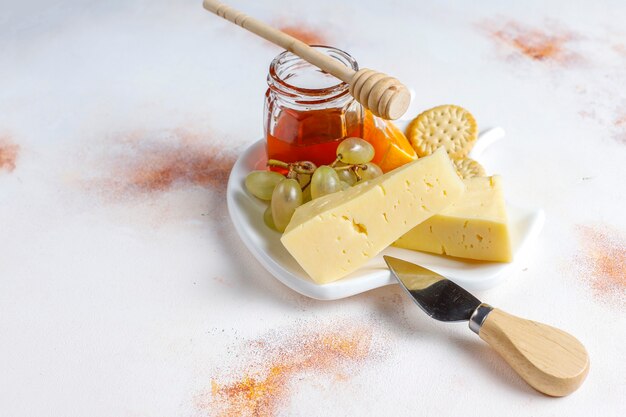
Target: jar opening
292	76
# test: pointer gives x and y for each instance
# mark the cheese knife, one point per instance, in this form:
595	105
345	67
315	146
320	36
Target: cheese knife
548	359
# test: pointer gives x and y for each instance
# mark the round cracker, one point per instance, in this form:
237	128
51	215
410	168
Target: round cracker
468	168
449	126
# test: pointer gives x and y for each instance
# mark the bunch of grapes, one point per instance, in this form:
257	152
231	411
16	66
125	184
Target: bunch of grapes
304	181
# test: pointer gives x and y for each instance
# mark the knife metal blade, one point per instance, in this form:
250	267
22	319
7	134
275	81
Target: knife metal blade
439	297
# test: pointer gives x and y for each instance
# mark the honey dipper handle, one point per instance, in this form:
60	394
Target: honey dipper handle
383	95
304	51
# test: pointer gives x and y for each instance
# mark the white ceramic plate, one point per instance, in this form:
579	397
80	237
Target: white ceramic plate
246	212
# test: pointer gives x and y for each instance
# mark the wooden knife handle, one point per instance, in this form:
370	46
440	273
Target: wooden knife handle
548	359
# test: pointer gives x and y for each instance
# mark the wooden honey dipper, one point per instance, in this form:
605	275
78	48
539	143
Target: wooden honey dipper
383	95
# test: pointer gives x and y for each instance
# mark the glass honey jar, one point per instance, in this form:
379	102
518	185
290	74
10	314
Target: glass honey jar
307	111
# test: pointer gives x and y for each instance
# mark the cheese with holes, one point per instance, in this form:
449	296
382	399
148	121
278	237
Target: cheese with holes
474	227
336	234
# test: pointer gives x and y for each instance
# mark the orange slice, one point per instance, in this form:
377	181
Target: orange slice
392	148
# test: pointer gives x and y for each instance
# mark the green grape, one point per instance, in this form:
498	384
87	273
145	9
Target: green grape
268	219
306	195
371	172
324	181
286	198
355	151
344	185
346	175
261	183
303	179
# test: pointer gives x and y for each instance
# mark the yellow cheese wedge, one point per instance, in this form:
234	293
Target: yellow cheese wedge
474	227
336	234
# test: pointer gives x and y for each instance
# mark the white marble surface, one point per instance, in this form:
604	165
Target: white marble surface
123	293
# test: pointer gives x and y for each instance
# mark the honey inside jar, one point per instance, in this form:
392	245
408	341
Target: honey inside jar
308	112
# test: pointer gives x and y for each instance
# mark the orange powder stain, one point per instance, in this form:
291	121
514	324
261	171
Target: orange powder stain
149	161
616	126
585	114
620	48
620	129
305	34
264	392
603	263
620	121
222	281
8	153
535	44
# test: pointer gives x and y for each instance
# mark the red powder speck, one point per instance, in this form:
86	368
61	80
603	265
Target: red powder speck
155	161
535	44
8	153
602	262
278	363
305	34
